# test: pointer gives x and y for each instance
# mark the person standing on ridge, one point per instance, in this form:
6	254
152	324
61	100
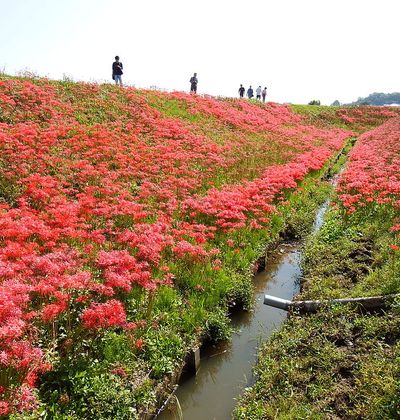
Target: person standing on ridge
241	91
264	94
250	92
117	71
193	83
258	92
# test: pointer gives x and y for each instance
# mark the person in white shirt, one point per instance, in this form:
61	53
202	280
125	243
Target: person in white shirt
258	93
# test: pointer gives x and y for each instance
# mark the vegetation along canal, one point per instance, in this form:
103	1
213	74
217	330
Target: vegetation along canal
226	368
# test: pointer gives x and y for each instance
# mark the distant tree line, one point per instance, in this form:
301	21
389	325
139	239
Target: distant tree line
379	99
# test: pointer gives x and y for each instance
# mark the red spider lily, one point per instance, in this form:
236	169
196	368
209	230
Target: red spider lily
104	193
139	343
104	315
120	371
372	175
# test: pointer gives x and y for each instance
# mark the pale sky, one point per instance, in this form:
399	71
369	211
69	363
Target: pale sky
300	50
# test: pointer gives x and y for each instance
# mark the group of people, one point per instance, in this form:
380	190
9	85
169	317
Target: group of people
260	93
117	77
117	73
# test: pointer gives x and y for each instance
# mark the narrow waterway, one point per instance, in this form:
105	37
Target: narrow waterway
226	369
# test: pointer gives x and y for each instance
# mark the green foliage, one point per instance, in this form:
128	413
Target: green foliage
241	291
167	299
164	350
117	348
175	108
300	215
218	326
103	396
378	99
10	190
332	364
93	391
319	115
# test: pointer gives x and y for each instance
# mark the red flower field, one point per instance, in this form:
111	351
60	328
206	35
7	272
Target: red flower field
104	192
373	175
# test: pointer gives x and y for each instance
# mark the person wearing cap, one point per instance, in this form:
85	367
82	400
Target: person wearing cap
117	71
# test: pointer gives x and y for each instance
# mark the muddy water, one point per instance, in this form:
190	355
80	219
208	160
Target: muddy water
227	367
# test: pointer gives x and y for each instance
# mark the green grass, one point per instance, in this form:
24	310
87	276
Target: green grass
338	363
319	115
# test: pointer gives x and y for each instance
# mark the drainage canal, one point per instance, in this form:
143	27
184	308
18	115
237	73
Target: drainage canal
226	368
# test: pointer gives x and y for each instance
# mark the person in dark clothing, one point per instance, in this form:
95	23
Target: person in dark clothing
117	71
241	91
250	92
193	83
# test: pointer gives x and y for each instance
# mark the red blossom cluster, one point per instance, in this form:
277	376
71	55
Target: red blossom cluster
366	116
103	315
372	178
250	203
241	113
373	175
277	120
99	191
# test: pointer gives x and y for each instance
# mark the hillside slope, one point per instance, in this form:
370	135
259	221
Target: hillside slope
129	220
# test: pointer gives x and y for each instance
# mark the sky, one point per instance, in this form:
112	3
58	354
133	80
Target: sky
299	49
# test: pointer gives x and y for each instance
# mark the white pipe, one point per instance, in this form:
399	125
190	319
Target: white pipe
277	302
370	302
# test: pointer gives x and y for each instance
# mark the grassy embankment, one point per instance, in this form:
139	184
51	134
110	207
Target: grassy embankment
81	134
177	328
341	362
